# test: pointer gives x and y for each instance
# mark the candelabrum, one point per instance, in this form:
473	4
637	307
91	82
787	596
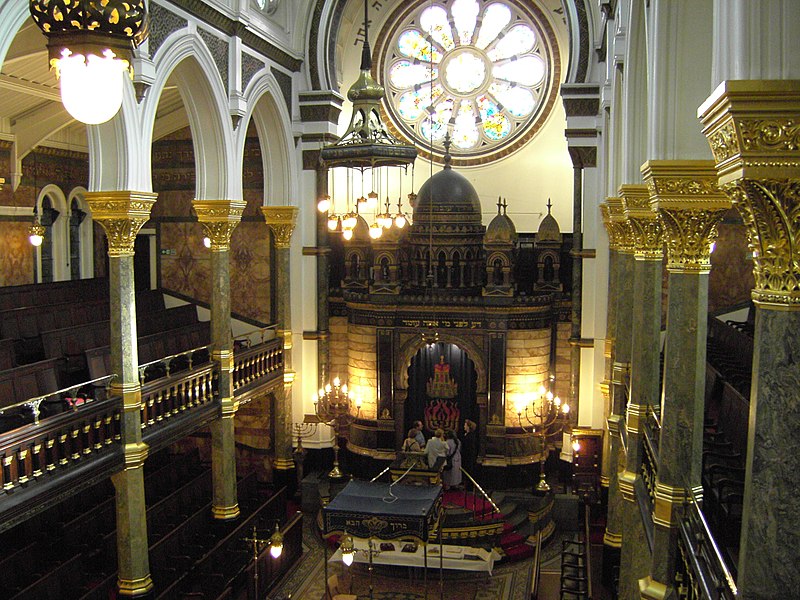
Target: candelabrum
333	406
546	415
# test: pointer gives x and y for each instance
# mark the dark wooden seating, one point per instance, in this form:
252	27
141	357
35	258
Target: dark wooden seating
37	294
28	381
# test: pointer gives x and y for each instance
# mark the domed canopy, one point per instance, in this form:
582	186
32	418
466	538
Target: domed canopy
447	196
501	230
549	231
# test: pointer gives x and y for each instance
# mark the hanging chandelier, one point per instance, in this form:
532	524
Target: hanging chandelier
367	151
90	45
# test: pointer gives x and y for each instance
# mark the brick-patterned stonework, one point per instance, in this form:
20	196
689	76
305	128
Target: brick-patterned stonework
527	363
362	367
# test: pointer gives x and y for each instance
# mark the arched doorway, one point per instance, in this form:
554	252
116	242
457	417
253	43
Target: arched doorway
442	388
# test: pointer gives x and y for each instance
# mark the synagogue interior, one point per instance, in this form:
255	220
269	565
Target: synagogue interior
398	300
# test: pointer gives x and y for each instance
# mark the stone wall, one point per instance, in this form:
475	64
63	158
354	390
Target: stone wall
527	364
338	346
362	367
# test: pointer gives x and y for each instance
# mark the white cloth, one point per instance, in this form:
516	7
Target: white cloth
434	449
452	477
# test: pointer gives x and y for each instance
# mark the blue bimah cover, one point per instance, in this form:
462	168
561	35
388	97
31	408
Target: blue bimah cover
366	509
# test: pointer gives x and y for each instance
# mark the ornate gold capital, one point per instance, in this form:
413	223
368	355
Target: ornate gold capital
613	228
121	214
623	233
219	218
281	220
753	128
689	205
647	240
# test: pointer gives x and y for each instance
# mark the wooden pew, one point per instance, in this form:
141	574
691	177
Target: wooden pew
35	294
28	381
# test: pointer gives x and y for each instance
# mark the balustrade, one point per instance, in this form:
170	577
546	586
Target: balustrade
88	430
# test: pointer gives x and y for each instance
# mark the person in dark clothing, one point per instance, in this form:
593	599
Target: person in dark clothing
469	447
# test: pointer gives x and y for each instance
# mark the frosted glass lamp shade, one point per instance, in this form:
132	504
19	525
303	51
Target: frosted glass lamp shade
91	86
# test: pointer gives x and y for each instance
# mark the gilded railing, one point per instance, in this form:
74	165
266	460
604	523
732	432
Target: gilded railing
701	573
251	365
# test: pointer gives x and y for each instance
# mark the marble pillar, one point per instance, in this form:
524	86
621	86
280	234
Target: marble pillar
644	374
752	128
616	328
689	206
219	218
122	214
323	251
282	221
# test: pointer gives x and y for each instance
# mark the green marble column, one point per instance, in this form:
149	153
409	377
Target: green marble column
689	206
281	221
644	375
219	218
752	129
122	214
616	329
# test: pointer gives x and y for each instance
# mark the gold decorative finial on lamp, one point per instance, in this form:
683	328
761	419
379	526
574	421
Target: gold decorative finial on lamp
36	231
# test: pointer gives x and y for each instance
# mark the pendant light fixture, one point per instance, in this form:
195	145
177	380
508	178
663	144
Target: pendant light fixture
90	45
366	147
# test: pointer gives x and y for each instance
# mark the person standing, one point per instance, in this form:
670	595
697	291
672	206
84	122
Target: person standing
469	447
411	444
420	437
451	477
436	448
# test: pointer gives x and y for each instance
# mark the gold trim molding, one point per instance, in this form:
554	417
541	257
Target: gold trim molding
129	588
219	218
281	221
753	128
225	513
121	214
689	205
612	539
648	243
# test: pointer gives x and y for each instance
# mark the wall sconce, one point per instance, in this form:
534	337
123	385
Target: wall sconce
90	44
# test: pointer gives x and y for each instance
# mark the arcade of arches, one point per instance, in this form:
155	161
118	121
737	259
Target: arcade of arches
604	203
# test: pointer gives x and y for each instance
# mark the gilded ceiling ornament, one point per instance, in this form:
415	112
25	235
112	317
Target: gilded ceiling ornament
770	210
219	218
121	214
281	220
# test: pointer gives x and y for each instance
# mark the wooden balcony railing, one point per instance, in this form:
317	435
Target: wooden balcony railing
78	447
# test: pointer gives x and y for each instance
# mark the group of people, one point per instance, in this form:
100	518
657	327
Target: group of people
445	447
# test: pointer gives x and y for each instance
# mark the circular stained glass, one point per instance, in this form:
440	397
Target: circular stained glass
482	71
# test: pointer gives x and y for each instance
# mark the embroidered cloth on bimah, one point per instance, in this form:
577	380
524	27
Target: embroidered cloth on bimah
371	509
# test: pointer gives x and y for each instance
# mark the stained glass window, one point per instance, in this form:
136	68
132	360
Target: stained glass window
488	64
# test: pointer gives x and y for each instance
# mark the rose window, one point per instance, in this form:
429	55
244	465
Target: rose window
480	70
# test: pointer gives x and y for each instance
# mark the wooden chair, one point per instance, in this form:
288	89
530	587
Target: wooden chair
333	590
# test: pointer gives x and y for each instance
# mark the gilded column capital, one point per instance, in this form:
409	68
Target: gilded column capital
646	230
281	220
614	229
121	214
219	218
623	232
689	205
753	128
